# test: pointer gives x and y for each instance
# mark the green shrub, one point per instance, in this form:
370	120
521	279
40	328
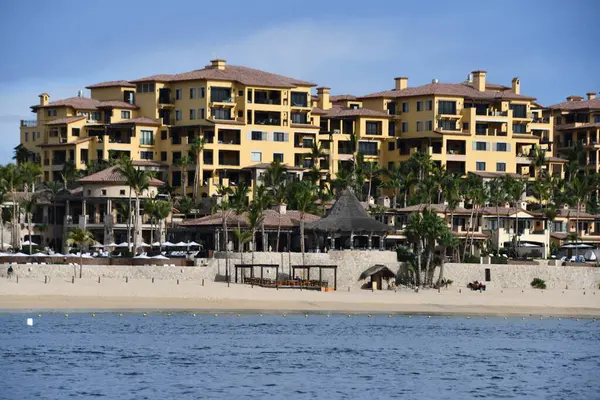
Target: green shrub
471	259
499	260
538	283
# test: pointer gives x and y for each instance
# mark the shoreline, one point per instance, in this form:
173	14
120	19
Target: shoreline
115	295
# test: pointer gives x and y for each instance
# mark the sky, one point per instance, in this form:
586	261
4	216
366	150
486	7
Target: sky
355	47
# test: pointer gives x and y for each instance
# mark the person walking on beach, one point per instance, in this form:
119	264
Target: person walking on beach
10	271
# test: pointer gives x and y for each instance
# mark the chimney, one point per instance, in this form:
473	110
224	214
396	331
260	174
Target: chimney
44	98
516	85
401	82
218	64
323	94
574	98
591	95
479	80
280	208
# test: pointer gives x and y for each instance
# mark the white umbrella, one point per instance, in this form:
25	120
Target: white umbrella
39	255
141	256
142	244
181	244
111	244
528	245
19	255
98	246
27	243
124	244
168	244
6	246
57	255
582	246
156	244
86	255
194	244
160	257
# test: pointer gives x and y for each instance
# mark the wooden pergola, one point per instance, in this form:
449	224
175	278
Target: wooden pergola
262	268
320	267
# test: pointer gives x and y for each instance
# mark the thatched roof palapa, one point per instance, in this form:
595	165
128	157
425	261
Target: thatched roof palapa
348	215
385	271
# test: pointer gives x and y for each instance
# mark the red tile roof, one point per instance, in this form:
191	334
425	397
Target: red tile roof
318	111
148	163
439	208
85	103
111	84
485	174
267	165
593	104
244	75
449	89
138	121
340	112
112	175
74	142
342	97
116	104
556	160
583	126
289	220
67	120
572	213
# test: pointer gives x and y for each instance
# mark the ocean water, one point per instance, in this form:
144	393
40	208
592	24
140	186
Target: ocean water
182	356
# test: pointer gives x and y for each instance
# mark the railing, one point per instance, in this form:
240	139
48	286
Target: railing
29	123
119	140
276	102
544	120
493	113
164	100
268	122
458	152
58	161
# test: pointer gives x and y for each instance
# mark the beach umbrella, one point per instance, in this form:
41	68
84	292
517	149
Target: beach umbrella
156	244
181	244
124	244
27	243
111	244
98	246
39	255
160	257
194	244
143	244
528	245
56	255
168	244
582	246
19	255
141	256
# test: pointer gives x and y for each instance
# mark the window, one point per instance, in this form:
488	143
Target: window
501	146
163	156
249	96
465	126
163	135
201	113
220	113
428	125
391	146
144	87
96	115
52	112
481	129
419	126
519	128
481	146
201	92
192	93
255	156
122	192
429	105
447	107
519	110
447	125
27	136
279	137
405	106
177	115
419	105
299	118
368	148
404	127
125	114
373	128
501	167
299	99
176	156
480	166
147	138
354	106
241	93
596	119
390	165
103	191
240	113
258	135
391	128
147	155
192	113
177	94
278	157
208	157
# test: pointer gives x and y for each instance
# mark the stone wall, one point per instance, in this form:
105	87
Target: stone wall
520	276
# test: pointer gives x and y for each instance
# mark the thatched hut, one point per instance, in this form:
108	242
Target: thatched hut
378	273
347	225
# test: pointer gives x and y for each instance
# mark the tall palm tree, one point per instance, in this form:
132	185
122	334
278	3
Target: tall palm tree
126	168
496	196
371	171
22	155
183	163
398	179
150	210
514	189
80	237
579	189
3	192
256	217
344	179
275	180
52	190
197	148
239	204
70	173
262	200
162	211
28	207
538	160
305	201
13	179
472	188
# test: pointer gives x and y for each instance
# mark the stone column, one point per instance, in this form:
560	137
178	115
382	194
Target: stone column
370	240
217	240
381	242
83	214
352	240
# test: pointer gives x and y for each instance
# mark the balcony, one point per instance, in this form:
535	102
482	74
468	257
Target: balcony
489	115
264	118
543	120
272	97
221	96
119	140
29	123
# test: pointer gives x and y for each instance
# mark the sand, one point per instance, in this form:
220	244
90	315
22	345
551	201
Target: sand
115	294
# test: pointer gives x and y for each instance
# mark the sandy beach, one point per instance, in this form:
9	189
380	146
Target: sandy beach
116	294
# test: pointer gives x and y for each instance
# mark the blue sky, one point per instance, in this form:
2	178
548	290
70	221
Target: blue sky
59	47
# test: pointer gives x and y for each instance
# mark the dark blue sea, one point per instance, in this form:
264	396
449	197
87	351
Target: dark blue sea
183	356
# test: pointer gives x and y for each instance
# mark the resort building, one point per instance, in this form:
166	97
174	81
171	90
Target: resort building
578	121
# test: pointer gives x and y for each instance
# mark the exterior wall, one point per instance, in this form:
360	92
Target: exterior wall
114	191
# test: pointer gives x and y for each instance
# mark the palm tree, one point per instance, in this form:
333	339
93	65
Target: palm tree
538	160
12	180
197	148
22	155
496	196
305	201
150	210
53	189
472	189
139	184
275	180
69	173
514	189
80	237
262	200
28	207
371	170
3	192
447	240
397	179
162	211
126	168
239	203
344	178
256	217
185	206
579	189
183	163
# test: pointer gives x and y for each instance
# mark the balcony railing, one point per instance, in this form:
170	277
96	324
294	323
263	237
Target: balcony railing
268	121
29	123
119	140
544	120
461	152
492	113
58	161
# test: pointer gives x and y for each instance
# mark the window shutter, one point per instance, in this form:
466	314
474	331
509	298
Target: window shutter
286	137
264	136
508	147
494	146
249	135
474	145
487	146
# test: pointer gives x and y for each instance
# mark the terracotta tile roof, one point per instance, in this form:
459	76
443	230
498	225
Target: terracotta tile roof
244	75
593	104
504	211
556	160
111	84
342	97
226	122
583	126
304	126
116	104
572	213
318	111
267	165
449	89
340	112
148	163
452	133
559	235
82	103
74	142
138	121
290	219
112	175
439	208
67	120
